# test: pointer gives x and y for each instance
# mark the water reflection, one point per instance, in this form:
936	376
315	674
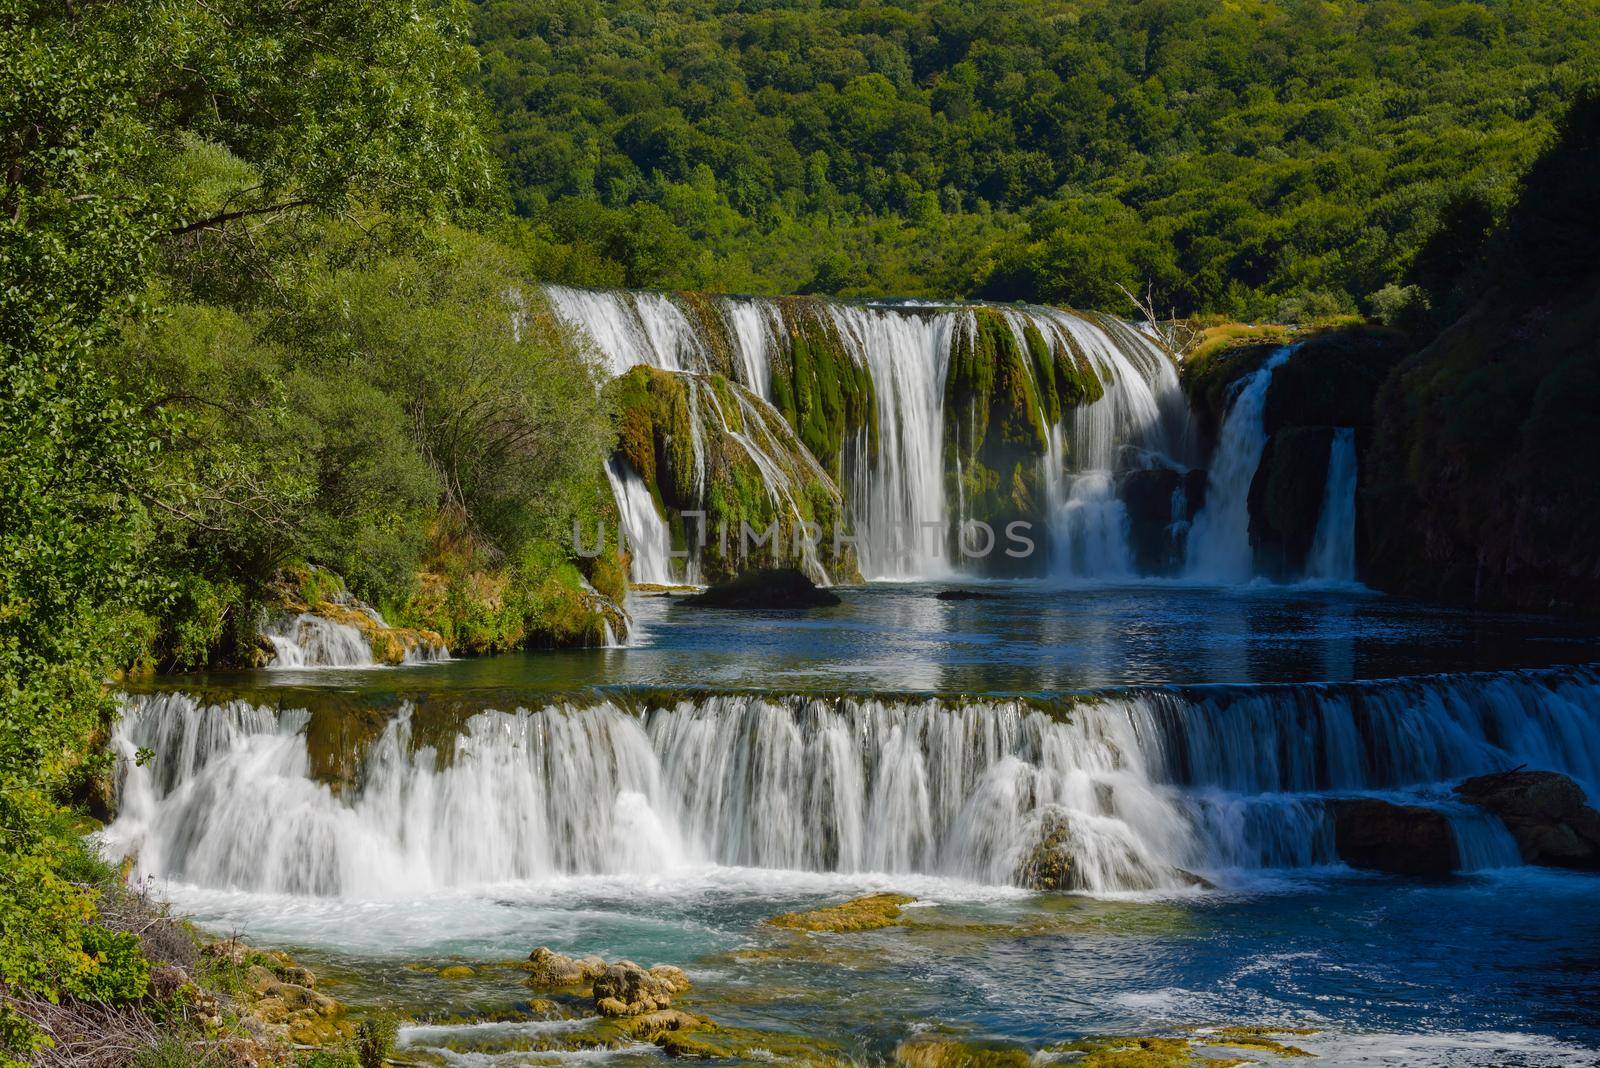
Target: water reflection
1015	638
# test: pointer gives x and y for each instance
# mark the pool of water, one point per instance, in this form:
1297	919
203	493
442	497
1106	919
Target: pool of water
1016	638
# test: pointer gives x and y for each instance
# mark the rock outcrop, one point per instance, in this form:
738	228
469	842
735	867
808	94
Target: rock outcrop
1547	814
1379	835
619	989
626	989
771	588
548	969
867	913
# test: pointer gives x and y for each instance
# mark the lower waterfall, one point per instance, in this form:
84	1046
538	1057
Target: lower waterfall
1150	785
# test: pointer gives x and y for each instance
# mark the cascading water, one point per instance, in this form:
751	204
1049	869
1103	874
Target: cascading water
1333	547
1148	785
307	640
896	491
645	531
899	499
1219	541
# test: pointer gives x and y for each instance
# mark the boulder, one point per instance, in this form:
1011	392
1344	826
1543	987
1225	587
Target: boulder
1157	498
779	587
547	968
1382	836
626	989
1547	814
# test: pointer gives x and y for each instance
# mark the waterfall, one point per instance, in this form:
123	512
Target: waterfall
1147	784
1333	547
647	536
1219	541
632	327
1090	530
308	640
895	493
898	502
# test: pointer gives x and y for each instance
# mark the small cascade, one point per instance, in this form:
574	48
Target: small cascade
1482	841
1089	530
1333	547
1219	541
1137	787
646	532
308	640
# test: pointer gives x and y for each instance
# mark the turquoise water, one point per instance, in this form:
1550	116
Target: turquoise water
1493	967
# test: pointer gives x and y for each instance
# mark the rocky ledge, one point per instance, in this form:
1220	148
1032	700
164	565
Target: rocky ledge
780	588
1547	814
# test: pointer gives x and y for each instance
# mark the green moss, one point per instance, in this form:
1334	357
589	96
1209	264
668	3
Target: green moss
939	1051
685	430
858	914
823	393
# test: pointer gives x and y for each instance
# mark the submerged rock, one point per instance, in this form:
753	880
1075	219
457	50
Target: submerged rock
867	913
941	1051
1382	836
963	595
1547	814
780	587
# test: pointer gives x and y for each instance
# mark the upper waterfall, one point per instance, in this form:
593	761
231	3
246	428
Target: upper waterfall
912	409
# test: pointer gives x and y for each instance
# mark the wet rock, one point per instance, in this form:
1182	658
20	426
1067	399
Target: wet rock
772	588
1048	865
1286	498
456	971
547	968
858	914
940	1051
1157	498
1547	814
963	595
1379	835
626	989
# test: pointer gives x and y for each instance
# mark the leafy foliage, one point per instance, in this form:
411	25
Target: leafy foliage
1267	158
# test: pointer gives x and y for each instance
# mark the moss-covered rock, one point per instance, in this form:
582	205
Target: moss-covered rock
867	913
305	589
1480	485
704	444
945	1051
822	391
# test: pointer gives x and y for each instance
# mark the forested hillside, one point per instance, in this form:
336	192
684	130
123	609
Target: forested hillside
1270	158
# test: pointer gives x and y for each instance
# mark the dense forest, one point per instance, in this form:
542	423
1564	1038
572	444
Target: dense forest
1275	159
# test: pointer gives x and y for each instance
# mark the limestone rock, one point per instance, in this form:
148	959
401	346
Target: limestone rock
626	989
1399	839
547	968
1546	812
